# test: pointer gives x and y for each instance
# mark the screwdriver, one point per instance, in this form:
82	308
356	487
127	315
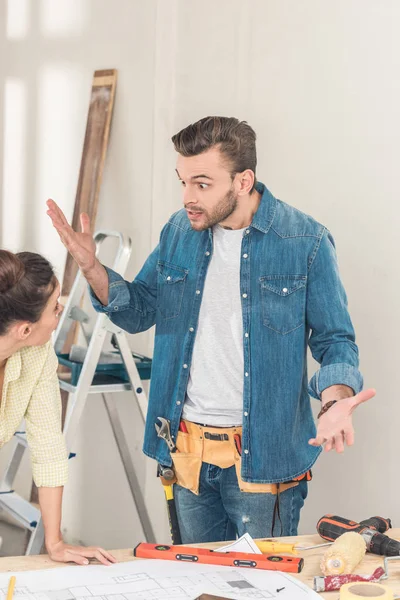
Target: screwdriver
273	547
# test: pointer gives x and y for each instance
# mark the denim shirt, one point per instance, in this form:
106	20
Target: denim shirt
291	296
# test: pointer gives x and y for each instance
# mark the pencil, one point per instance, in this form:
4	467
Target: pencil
11	586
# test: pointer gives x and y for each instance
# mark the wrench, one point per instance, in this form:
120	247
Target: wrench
164	432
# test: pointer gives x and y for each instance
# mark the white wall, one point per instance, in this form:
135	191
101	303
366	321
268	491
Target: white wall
318	81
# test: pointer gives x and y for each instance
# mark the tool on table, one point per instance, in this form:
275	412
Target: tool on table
272	547
167	476
332	583
338	525
344	555
228	559
355	591
11	586
386	561
331	527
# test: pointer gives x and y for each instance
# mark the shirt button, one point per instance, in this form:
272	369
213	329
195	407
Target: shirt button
185	366
116	307
197	292
191	329
246	451
178	402
247	231
207	253
168	278
246	374
244	295
245	255
284	290
246	334
246	414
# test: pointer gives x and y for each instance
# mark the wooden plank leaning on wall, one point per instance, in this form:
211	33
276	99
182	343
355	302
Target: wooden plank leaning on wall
90	176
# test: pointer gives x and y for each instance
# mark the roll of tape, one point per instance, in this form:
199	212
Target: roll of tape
355	591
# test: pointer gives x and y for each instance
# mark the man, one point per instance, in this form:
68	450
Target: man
238	286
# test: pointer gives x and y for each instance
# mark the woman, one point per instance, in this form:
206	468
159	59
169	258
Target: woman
29	313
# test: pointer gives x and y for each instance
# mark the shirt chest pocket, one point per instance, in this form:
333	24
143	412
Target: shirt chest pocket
171	287
283	300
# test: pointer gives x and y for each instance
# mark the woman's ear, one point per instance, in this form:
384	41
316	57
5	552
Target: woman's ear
23	331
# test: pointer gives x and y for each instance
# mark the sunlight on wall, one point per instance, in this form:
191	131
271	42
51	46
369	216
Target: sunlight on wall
60	131
63	17
18	13
14	162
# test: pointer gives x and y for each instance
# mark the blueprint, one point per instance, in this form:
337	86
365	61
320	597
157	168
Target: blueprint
153	580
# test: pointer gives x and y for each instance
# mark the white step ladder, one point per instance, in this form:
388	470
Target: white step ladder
90	381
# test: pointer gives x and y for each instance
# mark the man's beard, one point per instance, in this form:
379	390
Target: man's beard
221	211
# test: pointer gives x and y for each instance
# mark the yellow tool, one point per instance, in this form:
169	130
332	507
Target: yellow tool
11	586
271	547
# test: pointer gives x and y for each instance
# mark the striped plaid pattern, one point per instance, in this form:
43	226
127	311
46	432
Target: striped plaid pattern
31	392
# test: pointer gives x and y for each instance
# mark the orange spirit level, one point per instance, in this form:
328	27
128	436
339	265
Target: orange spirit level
288	564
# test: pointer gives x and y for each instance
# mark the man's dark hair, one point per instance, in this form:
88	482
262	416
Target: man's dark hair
236	141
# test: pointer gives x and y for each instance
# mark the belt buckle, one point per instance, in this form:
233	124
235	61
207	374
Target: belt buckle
216	437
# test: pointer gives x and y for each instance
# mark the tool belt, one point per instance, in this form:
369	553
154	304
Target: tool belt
216	446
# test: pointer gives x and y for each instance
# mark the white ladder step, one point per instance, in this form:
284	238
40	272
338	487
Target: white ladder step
20	509
20	436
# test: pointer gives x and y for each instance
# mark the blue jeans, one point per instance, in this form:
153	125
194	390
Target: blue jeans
222	512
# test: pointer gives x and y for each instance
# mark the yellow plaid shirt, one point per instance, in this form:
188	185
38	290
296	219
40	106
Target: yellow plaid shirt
31	392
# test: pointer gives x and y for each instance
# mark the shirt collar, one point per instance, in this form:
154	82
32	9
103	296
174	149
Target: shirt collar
13	367
265	214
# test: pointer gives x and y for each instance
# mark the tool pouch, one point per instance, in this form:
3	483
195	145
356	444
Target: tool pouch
187	461
200	445
259	488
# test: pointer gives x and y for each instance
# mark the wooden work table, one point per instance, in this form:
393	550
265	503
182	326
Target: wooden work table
311	562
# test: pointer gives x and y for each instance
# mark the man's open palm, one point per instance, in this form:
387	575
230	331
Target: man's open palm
80	245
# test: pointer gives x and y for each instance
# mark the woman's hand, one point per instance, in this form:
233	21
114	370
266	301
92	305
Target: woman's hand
61	552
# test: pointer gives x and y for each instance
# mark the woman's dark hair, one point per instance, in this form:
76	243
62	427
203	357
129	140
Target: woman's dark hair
27	281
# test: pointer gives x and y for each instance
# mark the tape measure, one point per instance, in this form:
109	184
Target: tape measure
373	591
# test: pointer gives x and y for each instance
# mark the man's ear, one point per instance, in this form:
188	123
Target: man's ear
245	182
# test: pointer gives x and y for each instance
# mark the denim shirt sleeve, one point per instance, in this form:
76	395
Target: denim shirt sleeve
131	305
332	339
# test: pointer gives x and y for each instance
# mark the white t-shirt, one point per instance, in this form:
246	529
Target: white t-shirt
215	389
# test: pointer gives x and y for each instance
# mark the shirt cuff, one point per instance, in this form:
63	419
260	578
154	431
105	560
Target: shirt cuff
53	474
118	294
336	374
